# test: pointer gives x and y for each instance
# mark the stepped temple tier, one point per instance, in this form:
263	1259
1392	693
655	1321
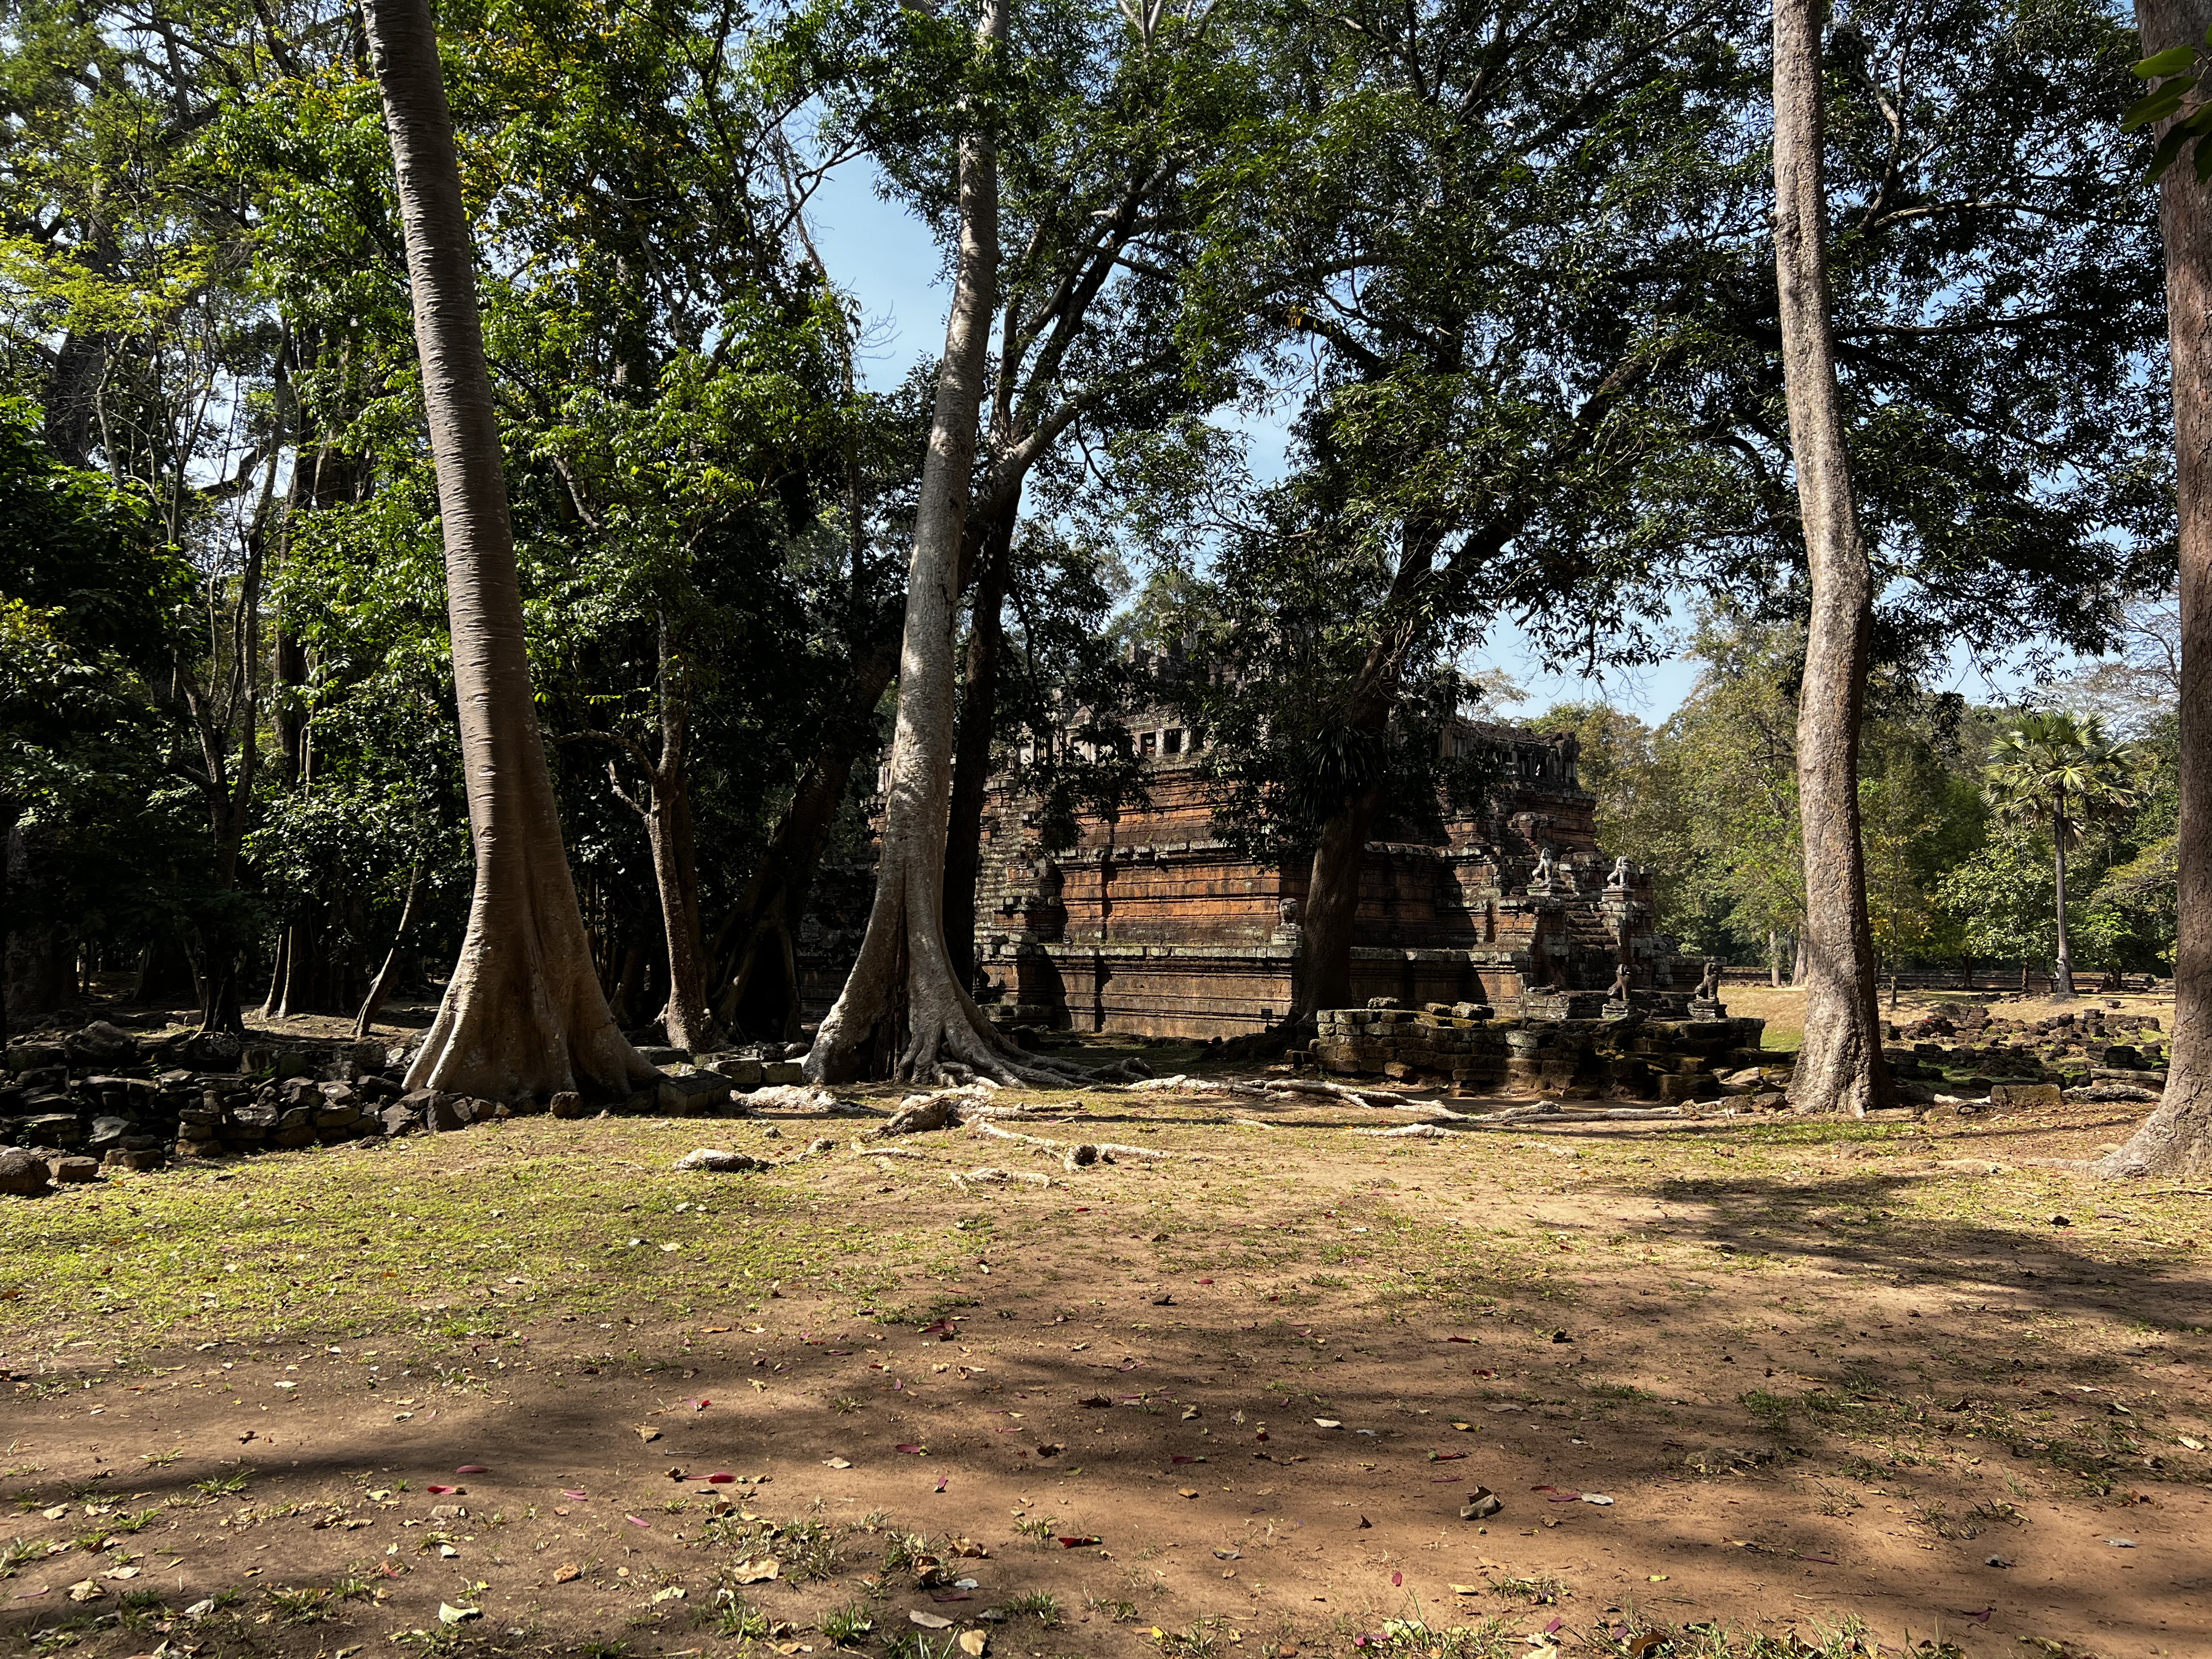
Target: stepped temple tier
1152	924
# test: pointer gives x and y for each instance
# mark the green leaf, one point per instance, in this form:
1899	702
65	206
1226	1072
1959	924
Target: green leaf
2167	62
2203	162
2168	151
2156	107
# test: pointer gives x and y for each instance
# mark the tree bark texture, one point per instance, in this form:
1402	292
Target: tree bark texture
522	1014
2177	1140
971	756
902	966
1840	1069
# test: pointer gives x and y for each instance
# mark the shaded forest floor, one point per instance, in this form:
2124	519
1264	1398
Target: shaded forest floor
1225	1400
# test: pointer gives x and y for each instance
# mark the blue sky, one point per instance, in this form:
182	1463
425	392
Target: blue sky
885	259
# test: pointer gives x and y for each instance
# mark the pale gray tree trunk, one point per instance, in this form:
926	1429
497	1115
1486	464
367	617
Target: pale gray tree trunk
523	1015
2177	1137
372	1003
903	967
2062	989
1840	1069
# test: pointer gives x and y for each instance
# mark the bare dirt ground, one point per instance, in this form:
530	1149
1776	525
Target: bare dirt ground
1227	1398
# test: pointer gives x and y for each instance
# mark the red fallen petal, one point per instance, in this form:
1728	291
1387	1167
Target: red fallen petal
635	1522
1186	1459
473	1468
1206	1281
1445	1480
700	1404
1078	1543
441	1490
1459	1339
1445	1457
569	1492
941	1480
1397	1579
1555	1627
720	1478
1486	1373
909	1449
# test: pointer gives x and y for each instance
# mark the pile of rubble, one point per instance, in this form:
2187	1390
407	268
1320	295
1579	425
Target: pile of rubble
2092	1054
1632	1056
103	1097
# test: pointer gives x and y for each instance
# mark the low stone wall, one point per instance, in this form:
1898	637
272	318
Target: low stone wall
1631	1058
103	1097
1968	1050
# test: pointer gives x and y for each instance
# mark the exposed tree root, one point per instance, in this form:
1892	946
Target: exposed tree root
1097	1147
986	1174
720	1162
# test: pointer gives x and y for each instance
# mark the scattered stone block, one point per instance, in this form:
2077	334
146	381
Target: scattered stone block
742	1072
2025	1094
73	1169
22	1175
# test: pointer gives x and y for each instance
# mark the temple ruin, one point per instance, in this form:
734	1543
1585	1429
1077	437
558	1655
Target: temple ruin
1152	924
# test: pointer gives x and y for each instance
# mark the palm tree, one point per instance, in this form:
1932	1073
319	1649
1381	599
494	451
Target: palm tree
2059	772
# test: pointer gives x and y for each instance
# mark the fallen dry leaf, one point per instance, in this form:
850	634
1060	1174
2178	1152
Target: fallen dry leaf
973	1641
567	1573
648	1433
757	1573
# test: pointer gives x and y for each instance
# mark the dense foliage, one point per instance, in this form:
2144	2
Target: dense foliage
1503	267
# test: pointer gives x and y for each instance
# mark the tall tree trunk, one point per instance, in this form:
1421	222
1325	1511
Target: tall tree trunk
2177	1140
1840	1069
676	871
2063	989
1774	957
902	964
676	854
522	1014
1331	912
972	756
372	1003
762	997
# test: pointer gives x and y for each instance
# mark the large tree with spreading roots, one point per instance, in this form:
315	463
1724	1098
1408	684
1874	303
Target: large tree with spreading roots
524	1014
1840	1067
905	986
2177	1140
